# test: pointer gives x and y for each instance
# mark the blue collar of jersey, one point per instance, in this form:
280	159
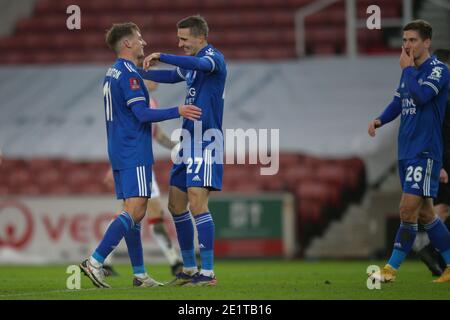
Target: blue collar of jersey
203	50
126	60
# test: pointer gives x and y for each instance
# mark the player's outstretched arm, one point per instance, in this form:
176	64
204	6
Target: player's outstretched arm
145	114
188	63
161	76
390	113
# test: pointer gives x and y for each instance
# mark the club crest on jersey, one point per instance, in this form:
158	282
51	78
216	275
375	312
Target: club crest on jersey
436	73
134	84
209	52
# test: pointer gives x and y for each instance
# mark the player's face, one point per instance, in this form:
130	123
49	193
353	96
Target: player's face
412	40
190	44
137	45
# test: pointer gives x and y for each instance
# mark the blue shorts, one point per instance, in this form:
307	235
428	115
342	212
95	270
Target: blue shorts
420	176
133	182
197	172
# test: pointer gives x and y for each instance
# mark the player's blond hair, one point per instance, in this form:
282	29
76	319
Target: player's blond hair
119	31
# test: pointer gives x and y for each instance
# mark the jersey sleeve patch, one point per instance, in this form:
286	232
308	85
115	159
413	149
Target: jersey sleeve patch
436	73
134	84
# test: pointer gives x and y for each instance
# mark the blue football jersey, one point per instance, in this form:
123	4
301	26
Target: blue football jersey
420	133
129	141
206	90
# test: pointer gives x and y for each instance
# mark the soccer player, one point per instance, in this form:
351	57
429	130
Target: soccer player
422	246
128	126
204	70
154	207
420	99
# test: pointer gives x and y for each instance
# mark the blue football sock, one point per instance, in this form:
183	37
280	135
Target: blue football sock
115	232
134	245
205	230
403	243
185	234
440	238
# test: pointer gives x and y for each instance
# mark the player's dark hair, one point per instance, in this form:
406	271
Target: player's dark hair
442	55
197	25
422	27
118	31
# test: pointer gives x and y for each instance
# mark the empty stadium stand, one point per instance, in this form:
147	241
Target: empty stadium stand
242	29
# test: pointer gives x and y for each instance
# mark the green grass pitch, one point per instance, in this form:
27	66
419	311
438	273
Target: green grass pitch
237	280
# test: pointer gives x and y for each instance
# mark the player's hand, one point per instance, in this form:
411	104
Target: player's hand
406	60
190	112
443	176
373	125
151	60
109	179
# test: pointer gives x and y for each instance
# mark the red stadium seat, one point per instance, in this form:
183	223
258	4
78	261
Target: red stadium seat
58	190
323	49
333	174
319	191
50	176
30	190
289	159
294	176
272	183
6	190
19	177
309	210
313	191
246	187
235	28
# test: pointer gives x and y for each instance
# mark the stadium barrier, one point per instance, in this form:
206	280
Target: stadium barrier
41	230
